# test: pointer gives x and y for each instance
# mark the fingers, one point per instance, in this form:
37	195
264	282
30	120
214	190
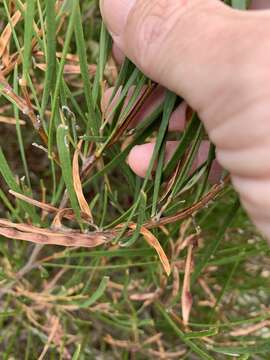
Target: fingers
254	5
140	157
255	195
217	59
118	54
178	118
182	44
148	33
259	4
152	102
249	163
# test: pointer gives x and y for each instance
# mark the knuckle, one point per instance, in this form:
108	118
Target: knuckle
155	27
255	193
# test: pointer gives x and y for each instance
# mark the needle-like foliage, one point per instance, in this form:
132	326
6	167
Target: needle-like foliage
164	267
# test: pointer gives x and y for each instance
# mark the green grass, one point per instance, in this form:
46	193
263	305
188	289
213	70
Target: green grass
112	301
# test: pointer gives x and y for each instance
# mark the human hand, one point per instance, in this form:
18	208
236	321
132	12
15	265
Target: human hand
217	59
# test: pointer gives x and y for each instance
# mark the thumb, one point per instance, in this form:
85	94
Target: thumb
179	44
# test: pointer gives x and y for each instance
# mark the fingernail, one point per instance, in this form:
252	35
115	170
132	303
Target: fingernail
115	14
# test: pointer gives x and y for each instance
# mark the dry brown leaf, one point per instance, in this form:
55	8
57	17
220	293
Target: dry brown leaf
118	343
48	208
250	329
115	286
58	338
186	242
167	355
10	120
70	69
62	213
16	58
186	294
153	339
7	32
145	297
55	325
111	71
49	237
69	57
206	303
22	104
154	243
208	291
176	282
57	221
186	213
78	184
6	56
49	285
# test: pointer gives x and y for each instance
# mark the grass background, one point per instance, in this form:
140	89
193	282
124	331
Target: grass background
113	301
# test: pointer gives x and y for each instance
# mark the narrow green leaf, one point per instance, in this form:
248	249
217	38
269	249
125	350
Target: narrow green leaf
181	335
50	53
104	48
213	246
65	160
140	221
97	294
19	131
261	347
240	4
58	83
12	184
76	355
158	179
185	141
28	34
93	121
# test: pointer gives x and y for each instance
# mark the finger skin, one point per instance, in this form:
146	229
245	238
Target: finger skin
217	59
140	157
151	103
118	54
259	4
178	118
